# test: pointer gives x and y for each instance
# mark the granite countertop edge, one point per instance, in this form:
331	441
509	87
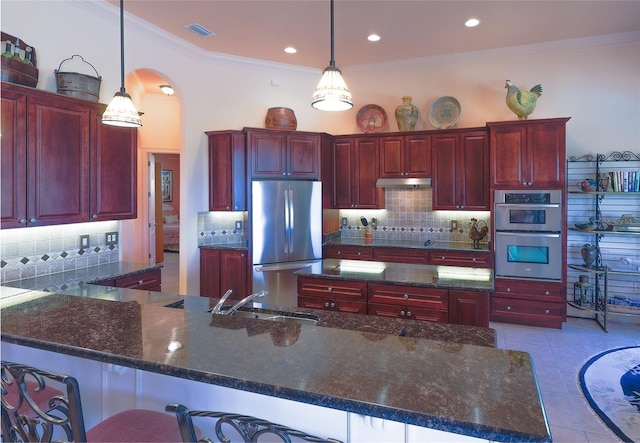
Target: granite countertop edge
436	245
354	406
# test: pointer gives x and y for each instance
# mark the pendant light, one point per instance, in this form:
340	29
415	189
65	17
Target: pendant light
332	93
121	111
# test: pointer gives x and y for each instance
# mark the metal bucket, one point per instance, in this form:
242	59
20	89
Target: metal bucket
78	85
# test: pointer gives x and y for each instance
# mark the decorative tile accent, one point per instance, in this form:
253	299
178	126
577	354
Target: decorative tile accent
30	252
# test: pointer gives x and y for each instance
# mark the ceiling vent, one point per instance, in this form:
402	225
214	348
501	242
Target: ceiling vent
200	30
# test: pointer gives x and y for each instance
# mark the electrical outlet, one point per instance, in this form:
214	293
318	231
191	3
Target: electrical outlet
238	225
374	222
454	224
111	238
344	222
84	241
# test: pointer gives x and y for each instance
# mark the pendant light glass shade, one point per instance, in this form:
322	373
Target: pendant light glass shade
332	93
121	111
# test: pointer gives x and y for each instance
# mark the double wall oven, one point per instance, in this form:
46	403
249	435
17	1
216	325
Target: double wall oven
528	234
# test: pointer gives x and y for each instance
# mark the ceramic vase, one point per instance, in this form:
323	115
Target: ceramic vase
589	254
406	115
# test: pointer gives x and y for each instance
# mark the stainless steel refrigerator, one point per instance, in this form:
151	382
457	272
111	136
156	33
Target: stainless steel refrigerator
286	235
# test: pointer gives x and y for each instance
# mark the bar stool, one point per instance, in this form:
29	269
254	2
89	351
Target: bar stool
38	405
248	428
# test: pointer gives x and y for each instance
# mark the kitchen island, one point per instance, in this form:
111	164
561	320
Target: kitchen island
407	388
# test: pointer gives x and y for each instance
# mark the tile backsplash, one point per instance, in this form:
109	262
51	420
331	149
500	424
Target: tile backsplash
215	228
38	251
409	216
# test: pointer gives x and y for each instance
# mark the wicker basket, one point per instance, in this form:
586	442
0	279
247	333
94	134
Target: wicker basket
15	71
78	85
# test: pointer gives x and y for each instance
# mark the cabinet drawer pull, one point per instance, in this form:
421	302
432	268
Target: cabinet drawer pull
140	282
508	289
359	253
23	221
402	313
546	292
508	308
546	311
408	313
94	216
32	220
405	296
333	305
473	259
329	289
326	304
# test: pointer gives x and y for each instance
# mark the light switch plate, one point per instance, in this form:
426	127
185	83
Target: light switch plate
84	241
454	224
344	221
239	225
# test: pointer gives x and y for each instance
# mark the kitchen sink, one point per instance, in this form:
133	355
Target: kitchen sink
302	319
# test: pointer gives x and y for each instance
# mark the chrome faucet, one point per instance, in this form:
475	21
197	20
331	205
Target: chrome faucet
249	298
217	309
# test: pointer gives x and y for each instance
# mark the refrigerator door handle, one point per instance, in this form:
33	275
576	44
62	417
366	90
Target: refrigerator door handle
287	226
280	267
291	222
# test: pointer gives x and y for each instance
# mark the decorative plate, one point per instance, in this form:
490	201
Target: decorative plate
445	112
371	119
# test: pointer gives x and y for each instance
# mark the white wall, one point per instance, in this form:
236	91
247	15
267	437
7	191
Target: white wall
594	81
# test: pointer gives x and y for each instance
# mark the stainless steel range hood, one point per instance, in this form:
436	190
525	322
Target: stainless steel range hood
403	183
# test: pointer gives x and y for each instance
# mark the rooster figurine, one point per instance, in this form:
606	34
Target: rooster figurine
522	103
477	232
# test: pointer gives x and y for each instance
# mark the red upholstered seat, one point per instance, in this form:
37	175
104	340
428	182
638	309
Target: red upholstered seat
136	425
39	396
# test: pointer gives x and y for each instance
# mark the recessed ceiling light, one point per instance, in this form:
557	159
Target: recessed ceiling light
290	50
373	38
167	89
472	22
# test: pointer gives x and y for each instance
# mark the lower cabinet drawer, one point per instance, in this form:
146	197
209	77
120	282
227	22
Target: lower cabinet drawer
408	312
461	258
150	281
401	255
404	295
348	252
331	304
528	312
335	289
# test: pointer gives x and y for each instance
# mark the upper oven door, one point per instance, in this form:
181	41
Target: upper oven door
528	217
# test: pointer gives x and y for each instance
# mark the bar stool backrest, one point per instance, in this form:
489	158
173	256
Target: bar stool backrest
39	406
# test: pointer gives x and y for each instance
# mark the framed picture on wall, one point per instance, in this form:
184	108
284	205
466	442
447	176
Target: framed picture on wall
167	185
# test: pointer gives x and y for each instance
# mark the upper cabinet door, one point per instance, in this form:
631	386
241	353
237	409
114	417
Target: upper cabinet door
14	160
58	161
284	154
461	171
114	154
528	154
405	156
227	177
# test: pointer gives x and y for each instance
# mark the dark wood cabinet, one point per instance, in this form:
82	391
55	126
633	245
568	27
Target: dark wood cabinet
332	295
529	303
284	154
114	150
59	161
356	171
227	166
469	308
401	255
405	156
14	159
411	302
460	163
347	252
468	259
223	269
528	154
147	280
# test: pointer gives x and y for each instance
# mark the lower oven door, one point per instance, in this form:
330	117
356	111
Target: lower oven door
535	255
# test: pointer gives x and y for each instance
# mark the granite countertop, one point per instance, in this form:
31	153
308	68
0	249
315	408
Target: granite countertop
76	280
473	390
434	245
450	277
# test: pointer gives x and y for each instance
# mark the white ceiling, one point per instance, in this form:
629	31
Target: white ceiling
261	29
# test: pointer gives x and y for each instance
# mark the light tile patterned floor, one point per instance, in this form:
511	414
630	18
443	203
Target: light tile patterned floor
558	355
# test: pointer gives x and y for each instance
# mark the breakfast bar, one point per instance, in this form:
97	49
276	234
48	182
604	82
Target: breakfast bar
413	385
